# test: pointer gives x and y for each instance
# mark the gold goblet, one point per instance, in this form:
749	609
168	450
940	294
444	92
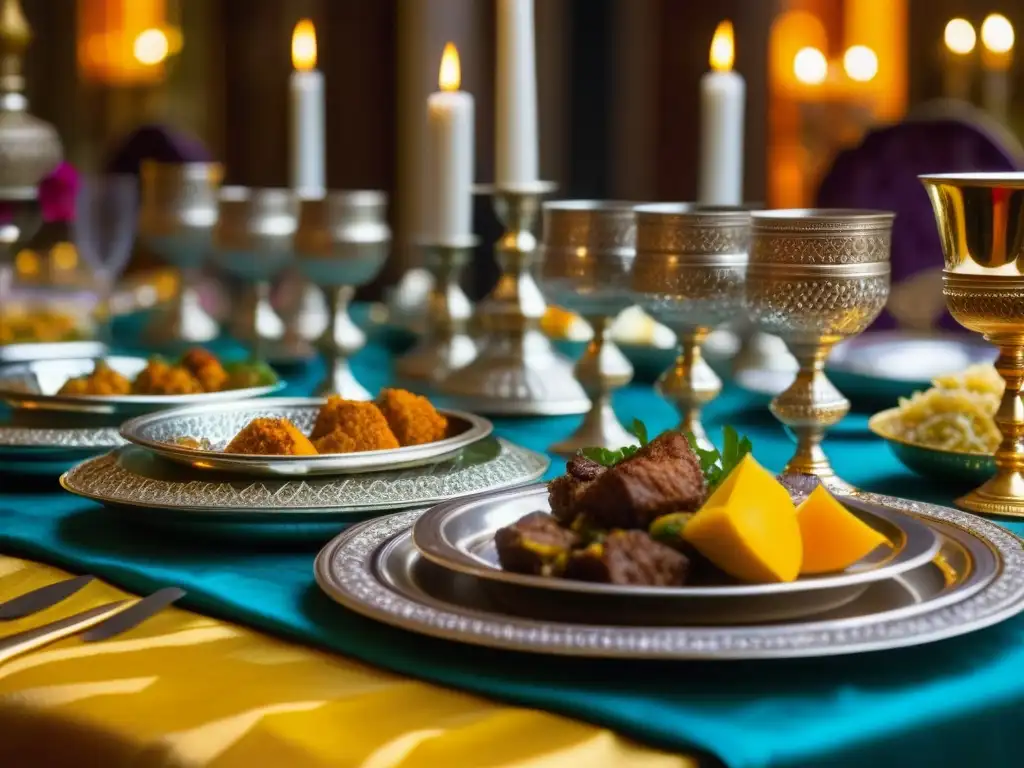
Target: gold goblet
586	255
178	209
342	243
252	240
815	278
981	225
689	272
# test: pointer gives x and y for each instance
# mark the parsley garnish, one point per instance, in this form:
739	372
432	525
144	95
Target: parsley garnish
608	458
716	465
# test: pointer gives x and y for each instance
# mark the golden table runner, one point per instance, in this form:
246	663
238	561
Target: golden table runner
186	690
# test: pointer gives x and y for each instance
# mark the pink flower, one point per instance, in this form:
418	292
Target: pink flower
57	193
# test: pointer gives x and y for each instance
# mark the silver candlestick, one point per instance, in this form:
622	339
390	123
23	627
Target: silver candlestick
446	345
517	372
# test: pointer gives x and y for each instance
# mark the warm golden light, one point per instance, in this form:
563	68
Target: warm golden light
150	47
723	47
860	63
960	36
304	46
449	77
810	66
997	33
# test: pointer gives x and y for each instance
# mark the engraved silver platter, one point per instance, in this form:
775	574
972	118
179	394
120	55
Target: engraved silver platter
50	450
976	580
23	352
459	536
35	385
218	423
135	477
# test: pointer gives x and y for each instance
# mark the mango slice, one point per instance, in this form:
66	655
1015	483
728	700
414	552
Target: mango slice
748	527
834	538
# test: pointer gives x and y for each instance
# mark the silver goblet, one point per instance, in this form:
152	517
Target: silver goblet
689	271
341	244
178	209
586	252
252	240
816	277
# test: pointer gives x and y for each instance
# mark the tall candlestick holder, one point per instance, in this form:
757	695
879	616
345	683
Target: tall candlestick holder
517	371
446	345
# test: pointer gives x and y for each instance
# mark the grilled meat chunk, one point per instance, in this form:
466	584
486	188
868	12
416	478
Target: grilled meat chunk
629	557
565	491
662	477
535	544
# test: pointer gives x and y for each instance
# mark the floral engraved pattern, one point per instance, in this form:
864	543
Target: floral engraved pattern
345	570
789	248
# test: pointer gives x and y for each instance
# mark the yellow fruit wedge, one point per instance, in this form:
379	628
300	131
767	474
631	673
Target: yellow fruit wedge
748	527
834	538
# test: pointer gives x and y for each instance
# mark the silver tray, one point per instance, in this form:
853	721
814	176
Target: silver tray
44	443
459	536
35	385
23	352
134	477
219	423
374	569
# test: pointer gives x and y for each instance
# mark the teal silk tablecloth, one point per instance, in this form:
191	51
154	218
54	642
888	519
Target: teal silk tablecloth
958	702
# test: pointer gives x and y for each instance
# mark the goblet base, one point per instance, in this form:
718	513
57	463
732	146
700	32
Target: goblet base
341	381
517	375
1002	495
601	428
434	358
183	322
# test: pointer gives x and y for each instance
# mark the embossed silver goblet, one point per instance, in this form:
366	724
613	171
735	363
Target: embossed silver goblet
252	240
688	274
586	253
342	243
178	208
816	277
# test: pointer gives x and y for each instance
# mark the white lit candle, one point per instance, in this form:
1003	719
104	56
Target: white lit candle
307	115
722	97
997	38
450	126
516	92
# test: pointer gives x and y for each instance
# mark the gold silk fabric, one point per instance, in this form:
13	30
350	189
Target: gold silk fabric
185	690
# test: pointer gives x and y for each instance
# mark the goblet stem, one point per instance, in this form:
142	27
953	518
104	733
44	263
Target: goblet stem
337	349
259	346
808	408
601	370
446	344
1001	495
690	384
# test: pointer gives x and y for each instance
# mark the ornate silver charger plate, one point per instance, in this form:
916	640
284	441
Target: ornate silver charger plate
35	385
218	423
134	477
24	352
976	580
892	364
51	450
459	536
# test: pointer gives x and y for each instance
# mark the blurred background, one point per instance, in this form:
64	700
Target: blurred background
617	81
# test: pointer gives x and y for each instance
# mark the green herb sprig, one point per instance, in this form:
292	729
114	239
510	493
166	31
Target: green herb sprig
716	465
609	458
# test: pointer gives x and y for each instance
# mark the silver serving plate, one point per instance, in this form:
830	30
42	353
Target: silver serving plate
50	451
135	477
218	424
35	385
977	580
892	364
24	352
459	536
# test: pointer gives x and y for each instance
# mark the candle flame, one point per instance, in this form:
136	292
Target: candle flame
304	45
810	66
997	33
722	47
449	77
960	36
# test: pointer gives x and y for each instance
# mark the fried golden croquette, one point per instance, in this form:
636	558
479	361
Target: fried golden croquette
412	418
206	368
156	369
271	437
335	442
103	380
361	421
175	381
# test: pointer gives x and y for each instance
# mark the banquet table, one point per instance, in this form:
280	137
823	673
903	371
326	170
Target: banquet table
257	668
